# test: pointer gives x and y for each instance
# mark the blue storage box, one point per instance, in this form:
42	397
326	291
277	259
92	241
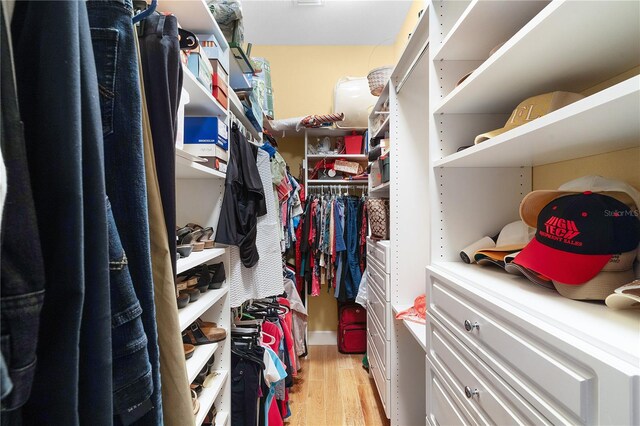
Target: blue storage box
202	134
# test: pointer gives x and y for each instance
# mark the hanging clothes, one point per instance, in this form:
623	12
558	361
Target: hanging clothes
244	201
264	278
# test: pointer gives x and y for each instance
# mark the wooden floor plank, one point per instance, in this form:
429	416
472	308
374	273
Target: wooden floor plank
332	393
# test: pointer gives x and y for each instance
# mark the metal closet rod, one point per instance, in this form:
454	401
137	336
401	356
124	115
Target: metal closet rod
247	134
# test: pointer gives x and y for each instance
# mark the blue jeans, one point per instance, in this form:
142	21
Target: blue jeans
136	364
353	274
58	98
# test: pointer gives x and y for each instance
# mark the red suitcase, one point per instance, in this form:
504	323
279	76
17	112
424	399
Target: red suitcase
352	329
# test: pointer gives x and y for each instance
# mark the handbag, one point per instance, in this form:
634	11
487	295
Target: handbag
378	211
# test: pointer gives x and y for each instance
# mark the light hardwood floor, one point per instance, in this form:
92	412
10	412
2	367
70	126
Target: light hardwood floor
333	389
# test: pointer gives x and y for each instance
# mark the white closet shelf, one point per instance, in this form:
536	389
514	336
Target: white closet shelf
201	101
238	110
336	182
331	131
222	418
380	190
554	51
415	47
589	322
201	355
384	95
192	311
209	395
186	169
604	122
194	15
483	25
383	128
418	331
354	157
198	258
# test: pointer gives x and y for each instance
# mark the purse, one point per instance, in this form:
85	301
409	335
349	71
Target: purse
378	211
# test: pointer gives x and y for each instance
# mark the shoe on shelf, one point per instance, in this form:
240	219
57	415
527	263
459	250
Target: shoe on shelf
195	402
197	387
206	235
184	250
188	350
194	294
189	237
217	275
197	335
183	300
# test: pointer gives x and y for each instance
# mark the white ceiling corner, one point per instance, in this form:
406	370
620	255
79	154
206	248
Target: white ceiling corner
335	22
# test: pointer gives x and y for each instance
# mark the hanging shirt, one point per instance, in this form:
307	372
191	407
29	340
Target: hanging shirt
274	373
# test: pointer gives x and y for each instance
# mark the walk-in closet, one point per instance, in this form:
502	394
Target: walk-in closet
319	212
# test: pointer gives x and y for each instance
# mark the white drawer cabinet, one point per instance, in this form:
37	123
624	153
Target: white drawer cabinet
443	409
526	369
381	252
376	277
377	371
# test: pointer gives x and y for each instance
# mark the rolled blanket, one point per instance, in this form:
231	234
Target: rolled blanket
317	120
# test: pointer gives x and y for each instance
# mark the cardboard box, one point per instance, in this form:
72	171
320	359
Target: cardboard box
220	90
214	50
350	167
201	68
203	134
220	70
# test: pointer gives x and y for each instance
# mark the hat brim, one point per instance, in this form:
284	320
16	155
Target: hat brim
534	277
533	203
597	288
488	135
561	266
625	297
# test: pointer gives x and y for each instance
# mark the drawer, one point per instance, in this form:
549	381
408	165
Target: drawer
380	251
380	310
495	402
382	347
383	385
552	380
442	408
379	279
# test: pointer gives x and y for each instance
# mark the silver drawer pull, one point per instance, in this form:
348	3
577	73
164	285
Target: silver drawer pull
470	393
469	326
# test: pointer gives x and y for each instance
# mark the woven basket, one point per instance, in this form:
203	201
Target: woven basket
378	78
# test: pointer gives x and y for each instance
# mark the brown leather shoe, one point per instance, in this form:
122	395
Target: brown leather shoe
188	350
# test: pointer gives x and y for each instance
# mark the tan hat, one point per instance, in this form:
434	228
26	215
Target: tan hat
618	271
532	108
625	297
512	237
535	201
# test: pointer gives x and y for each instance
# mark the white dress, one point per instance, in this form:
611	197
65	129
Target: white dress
265	278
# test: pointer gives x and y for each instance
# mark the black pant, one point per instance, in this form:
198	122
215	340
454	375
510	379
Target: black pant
160	52
22	270
59	105
245	383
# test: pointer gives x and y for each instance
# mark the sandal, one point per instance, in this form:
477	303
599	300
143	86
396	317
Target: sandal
197	387
195	402
217	275
183	300
194	294
206	235
197	335
190	237
188	350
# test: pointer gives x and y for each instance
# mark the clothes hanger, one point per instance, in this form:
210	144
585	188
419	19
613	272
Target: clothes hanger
145	13
271	340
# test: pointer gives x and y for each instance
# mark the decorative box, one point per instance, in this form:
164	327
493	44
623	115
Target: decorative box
202	135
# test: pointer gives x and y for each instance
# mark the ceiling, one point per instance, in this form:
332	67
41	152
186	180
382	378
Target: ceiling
335	22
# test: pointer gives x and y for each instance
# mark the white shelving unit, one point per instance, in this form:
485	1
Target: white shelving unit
201	355
587	353
353	157
198	258
222	419
380	191
199	193
328	182
383	128
210	394
418	331
238	111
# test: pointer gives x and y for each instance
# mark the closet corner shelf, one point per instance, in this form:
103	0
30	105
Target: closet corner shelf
384	127
222	418
201	102
463	43
380	190
354	157
201	355
209	395
591	322
520	68
198	258
192	311
329	182
187	169
238	111
606	121
194	15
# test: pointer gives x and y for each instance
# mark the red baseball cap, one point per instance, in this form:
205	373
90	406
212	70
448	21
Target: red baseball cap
577	235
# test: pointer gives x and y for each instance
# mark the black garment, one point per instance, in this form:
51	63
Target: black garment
162	72
245	383
59	105
22	270
243	201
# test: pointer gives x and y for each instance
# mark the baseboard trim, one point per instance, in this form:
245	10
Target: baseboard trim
317	338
